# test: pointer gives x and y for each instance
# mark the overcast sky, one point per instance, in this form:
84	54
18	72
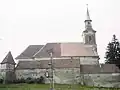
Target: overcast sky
35	22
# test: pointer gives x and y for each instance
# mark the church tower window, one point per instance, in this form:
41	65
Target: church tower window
90	38
88	22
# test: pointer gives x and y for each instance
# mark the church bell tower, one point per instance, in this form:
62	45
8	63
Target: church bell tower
89	33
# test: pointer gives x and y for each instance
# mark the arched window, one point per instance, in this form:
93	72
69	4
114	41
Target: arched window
90	38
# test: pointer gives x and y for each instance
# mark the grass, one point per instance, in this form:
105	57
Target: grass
47	86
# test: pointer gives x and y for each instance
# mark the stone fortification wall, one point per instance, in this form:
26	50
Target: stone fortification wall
73	76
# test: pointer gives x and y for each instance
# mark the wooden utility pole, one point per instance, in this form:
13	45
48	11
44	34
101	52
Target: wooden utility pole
73	77
79	70
50	52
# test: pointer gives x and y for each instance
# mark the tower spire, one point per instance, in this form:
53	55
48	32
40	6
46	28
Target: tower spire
88	20
88	16
89	33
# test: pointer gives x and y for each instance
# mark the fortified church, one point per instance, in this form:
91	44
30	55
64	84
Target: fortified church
78	61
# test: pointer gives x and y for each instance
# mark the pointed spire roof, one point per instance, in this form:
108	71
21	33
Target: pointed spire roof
87	15
8	59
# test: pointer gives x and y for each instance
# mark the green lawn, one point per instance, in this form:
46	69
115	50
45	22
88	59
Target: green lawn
46	87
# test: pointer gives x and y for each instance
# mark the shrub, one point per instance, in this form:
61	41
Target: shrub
37	80
1	81
29	80
15	81
22	80
8	81
40	80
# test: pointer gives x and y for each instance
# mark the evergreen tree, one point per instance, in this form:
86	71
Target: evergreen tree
113	52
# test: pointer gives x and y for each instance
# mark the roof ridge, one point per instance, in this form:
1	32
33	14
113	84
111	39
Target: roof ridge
34	48
23	51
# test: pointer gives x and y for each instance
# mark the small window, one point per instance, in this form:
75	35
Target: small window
88	22
90	38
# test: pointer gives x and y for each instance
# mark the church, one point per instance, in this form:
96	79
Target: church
86	50
78	61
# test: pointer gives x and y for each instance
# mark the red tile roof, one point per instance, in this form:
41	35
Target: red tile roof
59	49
